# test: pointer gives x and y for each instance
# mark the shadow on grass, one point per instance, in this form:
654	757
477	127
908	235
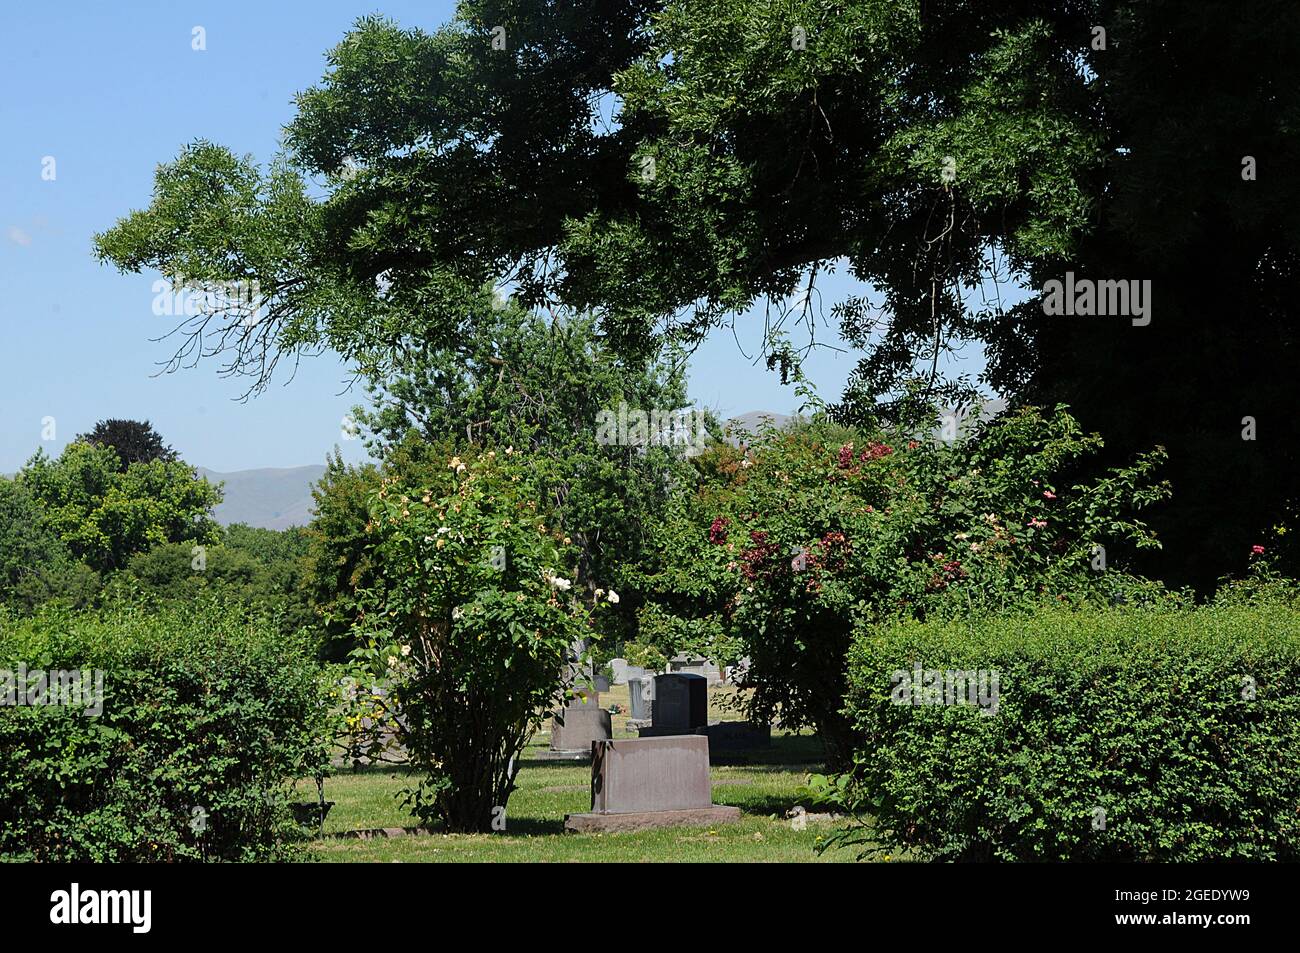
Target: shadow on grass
533	827
787	753
349	770
531	763
764	805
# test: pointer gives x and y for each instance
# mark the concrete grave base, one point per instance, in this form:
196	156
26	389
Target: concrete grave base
649	731
724	736
572	754
694	817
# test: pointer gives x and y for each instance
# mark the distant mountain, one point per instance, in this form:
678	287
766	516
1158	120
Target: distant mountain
273	498
752	422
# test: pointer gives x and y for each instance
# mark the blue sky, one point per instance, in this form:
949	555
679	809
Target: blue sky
109	90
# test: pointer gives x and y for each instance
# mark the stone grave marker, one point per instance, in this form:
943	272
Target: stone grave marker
726	737
640	693
579	723
696	665
681	703
618	671
650	782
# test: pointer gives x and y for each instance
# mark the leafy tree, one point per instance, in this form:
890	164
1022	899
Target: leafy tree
35	566
135	441
104	515
337	561
671	163
727	170
544	387
514	381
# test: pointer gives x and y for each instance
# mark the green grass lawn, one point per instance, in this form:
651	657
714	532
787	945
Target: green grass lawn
764	787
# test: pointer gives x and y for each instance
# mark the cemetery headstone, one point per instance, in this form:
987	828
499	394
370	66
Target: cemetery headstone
650	782
696	665
618	671
681	702
732	736
576	727
640	693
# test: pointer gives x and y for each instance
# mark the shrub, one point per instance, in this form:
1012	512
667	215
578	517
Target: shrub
819	527
207	714
645	656
1124	734
468	626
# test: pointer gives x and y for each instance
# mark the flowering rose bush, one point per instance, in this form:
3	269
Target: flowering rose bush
467	628
821	527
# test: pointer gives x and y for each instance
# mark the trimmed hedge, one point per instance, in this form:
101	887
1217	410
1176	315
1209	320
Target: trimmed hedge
1124	734
207	714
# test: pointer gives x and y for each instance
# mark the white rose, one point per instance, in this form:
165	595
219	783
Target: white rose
613	597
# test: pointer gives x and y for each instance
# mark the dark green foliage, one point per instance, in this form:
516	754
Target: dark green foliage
338	562
669	164
1156	734
208	713
259	568
134	441
35	565
1187	94
105	514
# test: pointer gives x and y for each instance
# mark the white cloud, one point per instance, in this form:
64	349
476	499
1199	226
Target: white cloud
18	236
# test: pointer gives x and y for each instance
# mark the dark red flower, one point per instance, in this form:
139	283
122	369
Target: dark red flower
757	558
